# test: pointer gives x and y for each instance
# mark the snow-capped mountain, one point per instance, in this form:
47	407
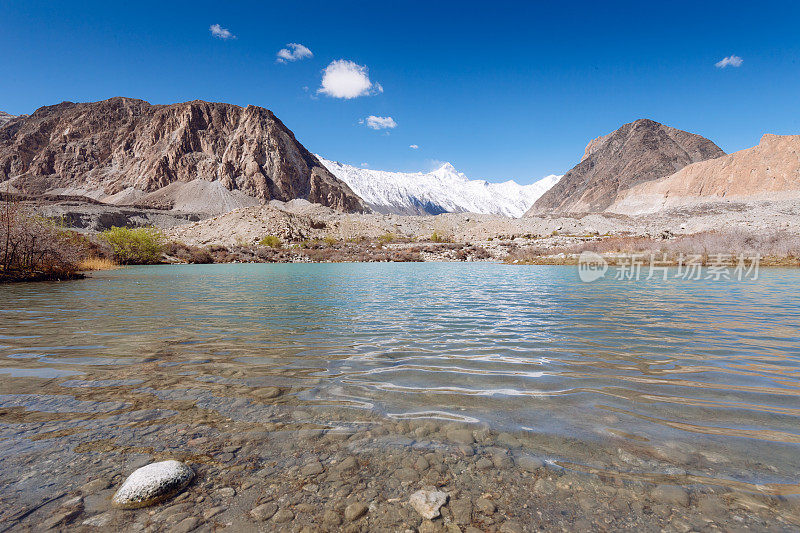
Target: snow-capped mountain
444	190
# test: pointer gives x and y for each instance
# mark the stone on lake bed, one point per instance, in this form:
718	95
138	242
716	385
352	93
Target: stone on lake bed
267	392
461	436
283	515
355	510
95	485
153	483
99	520
312	469
484	464
349	463
310	433
529	463
331	518
671	494
225	492
428	502
509	440
265	511
485	506
511	526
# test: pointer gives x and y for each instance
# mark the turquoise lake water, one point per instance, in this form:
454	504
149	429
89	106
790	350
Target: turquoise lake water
666	368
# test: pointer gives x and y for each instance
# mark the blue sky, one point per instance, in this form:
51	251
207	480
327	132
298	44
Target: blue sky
503	90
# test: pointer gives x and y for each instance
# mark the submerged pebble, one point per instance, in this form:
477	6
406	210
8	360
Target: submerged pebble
153	483
356	510
265	511
461	436
485	506
671	495
428	502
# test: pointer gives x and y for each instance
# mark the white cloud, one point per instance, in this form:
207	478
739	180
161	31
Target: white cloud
379	123
730	61
365	165
221	33
345	79
414	147
293	52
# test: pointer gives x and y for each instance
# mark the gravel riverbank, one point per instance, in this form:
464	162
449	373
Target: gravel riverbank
264	462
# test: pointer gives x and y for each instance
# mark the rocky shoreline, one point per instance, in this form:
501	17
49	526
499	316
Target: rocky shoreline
292	476
25	277
306	232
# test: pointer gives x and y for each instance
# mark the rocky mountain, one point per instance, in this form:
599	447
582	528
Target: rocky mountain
5	117
768	171
194	156
444	190
637	152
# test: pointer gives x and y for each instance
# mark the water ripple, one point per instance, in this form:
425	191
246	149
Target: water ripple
705	365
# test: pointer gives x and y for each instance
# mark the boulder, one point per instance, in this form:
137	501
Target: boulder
153	483
428	502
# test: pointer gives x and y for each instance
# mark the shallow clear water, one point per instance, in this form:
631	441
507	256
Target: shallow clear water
695	379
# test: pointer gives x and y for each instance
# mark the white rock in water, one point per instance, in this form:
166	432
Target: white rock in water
428	502
153	483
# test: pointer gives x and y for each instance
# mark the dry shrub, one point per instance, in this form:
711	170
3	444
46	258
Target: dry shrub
189	254
387	238
33	247
480	253
364	253
438	237
738	241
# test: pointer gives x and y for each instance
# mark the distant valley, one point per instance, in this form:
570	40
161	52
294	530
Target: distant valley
136	163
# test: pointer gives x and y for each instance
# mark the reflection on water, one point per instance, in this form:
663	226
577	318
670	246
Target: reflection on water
661	369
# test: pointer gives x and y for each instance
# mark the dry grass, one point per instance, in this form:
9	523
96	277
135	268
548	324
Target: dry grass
97	263
770	244
775	248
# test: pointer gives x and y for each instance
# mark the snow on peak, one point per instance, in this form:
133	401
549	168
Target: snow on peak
444	190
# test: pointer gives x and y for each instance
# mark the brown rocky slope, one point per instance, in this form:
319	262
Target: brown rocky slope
768	171
194	156
5	118
637	152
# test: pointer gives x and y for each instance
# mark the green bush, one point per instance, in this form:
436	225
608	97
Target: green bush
135	246
386	238
271	241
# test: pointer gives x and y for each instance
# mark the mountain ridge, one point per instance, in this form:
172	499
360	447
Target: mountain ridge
5	118
127	151
636	152
752	174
